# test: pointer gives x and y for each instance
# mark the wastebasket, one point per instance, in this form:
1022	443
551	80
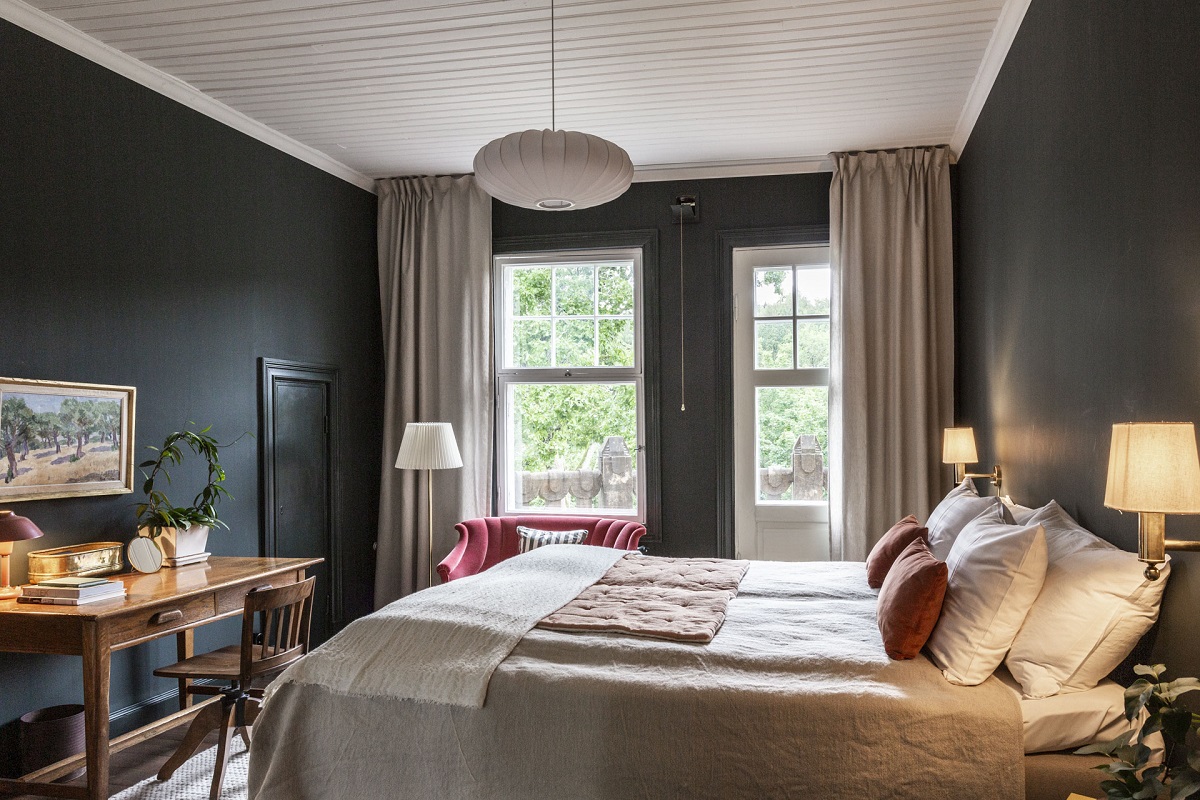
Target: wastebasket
49	735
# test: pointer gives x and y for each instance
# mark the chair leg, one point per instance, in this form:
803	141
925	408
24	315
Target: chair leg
250	708
224	739
208	720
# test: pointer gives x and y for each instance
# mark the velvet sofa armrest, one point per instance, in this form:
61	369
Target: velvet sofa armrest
467	556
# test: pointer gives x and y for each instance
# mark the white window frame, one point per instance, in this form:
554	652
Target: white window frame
751	514
507	376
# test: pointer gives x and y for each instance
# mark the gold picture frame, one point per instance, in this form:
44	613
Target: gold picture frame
64	439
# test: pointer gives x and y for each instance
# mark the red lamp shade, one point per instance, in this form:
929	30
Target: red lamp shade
15	528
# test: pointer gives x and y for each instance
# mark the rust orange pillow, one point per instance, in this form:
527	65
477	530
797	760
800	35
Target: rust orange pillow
888	549
910	600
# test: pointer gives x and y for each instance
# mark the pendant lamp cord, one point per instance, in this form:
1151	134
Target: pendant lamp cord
682	384
553	109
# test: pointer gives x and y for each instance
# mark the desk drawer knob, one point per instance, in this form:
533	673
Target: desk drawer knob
165	617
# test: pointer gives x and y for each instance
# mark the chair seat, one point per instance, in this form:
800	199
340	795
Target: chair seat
224	664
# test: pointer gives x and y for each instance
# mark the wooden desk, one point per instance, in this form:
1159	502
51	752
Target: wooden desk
171	601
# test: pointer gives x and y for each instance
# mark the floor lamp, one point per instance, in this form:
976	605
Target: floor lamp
429	446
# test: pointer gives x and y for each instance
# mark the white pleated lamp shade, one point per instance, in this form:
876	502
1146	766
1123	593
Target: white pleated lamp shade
428	445
553	170
1153	467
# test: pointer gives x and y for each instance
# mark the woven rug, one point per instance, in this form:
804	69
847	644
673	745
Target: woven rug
193	780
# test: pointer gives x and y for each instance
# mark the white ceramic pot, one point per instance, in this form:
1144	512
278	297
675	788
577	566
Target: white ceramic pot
177	543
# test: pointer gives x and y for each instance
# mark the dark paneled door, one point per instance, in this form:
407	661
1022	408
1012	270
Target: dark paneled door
299	481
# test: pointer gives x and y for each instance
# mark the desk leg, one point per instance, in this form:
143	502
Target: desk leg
184	648
97	658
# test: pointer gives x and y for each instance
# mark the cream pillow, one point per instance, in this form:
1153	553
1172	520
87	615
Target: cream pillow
1094	607
1020	513
995	573
958	508
955	510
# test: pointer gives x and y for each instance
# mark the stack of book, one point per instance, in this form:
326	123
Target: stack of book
72	591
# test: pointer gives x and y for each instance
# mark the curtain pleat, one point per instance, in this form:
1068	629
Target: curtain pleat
435	260
892	387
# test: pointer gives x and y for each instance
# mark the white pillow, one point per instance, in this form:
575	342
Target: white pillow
1094	607
952	514
1020	513
995	571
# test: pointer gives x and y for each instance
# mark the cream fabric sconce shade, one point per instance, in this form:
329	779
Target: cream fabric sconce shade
958	446
1153	469
428	445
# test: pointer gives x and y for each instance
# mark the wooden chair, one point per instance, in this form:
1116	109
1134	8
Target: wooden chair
287	614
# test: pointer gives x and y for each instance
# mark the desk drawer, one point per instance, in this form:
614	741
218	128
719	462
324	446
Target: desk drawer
166	617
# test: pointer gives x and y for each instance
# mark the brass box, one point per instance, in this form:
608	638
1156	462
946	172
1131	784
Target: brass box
78	561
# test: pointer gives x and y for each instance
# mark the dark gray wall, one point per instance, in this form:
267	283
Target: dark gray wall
694	470
144	244
1079	261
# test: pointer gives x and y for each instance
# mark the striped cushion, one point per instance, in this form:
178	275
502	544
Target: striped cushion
531	538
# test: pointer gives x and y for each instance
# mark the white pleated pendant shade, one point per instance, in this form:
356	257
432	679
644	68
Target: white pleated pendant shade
428	445
553	170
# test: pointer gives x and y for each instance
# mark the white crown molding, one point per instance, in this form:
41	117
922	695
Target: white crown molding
55	30
1007	25
649	173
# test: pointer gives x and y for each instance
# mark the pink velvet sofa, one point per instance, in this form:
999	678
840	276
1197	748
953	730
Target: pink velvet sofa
489	540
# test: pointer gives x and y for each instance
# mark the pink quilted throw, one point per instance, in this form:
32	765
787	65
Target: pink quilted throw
681	599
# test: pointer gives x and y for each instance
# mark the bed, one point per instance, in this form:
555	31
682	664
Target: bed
453	693
794	697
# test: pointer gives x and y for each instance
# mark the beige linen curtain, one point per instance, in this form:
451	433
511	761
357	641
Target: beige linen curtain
435	261
893	344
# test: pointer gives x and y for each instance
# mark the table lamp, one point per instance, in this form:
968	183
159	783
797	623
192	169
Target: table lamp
1153	469
429	446
958	448
13	528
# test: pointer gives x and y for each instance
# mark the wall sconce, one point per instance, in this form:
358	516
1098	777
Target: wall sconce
1153	469
958	448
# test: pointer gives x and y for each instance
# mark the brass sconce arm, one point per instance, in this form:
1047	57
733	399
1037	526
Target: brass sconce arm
995	476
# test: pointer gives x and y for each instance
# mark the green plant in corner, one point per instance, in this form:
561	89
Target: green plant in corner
1133	776
157	512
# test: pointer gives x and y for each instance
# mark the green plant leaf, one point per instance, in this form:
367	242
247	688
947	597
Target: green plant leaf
1106	748
1176	722
1185	783
1154	671
1179	687
1136	697
1116	790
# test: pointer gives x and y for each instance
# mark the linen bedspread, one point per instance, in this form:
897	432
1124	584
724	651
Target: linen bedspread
793	698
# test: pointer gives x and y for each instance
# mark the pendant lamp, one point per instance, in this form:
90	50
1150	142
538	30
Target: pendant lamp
553	170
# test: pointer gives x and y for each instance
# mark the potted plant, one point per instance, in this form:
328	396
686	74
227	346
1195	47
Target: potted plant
182	531
1178	776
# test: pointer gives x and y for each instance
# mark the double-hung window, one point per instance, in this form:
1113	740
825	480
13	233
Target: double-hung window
570	383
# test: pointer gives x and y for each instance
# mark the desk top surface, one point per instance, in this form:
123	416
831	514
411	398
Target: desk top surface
169	584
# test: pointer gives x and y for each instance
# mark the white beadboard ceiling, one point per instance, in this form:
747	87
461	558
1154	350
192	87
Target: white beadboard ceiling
403	87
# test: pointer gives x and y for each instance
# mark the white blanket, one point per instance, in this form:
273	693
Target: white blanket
442	644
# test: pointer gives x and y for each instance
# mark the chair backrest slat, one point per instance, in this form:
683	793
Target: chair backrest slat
287	615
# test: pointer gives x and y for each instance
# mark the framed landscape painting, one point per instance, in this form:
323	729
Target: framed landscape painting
61	439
